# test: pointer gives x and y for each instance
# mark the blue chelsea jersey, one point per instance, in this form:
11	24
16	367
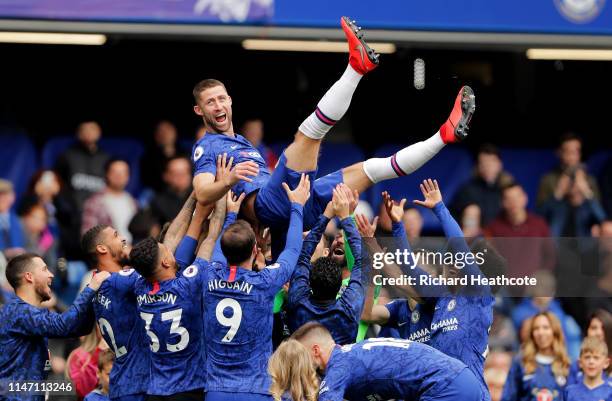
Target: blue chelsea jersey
172	314
206	150
117	316
413	325
387	368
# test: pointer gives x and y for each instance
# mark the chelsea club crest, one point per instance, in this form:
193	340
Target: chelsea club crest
415	316
580	11
451	305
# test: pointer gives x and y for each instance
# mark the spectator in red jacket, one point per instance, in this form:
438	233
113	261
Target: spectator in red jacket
82	365
521	236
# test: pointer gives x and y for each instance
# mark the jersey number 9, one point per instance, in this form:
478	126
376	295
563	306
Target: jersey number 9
233	322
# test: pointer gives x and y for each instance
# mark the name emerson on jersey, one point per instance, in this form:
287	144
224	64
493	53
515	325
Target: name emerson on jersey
479	280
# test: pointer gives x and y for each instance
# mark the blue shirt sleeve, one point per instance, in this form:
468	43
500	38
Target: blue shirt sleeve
393	308
204	160
300	284
217	255
334	383
77	320
457	241
185	252
280	272
353	296
513	382
425	291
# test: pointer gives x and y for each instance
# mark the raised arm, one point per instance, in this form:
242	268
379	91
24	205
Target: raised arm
180	224
280	272
77	320
185	251
300	285
214	230
452	231
212	180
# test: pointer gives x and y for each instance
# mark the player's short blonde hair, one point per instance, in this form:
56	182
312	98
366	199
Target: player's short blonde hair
594	345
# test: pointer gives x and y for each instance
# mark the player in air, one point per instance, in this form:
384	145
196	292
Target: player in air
375	369
115	306
171	309
411	317
461	317
314	285
238	307
266	204
25	324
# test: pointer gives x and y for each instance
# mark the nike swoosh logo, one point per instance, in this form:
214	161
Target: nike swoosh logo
233	147
402	324
361	53
436	308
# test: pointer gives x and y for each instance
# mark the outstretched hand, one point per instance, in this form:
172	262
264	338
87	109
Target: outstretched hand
341	201
233	202
394	211
431	192
242	171
98	279
301	193
366	229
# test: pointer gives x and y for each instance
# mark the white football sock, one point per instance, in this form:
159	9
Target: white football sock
405	161
332	106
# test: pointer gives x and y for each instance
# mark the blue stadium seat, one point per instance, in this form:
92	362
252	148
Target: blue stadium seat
451	167
18	159
335	156
128	149
597	161
527	166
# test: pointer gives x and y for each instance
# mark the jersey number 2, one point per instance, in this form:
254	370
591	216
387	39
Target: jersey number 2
175	328
105	328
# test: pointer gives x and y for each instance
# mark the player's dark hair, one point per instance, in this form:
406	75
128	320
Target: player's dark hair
203	85
325	279
144	257
569	136
17	266
488	149
495	265
308	328
90	241
237	242
104	358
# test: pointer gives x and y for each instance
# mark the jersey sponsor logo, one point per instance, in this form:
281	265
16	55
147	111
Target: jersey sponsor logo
415	317
235	285
126	272
191	271
251	154
451	305
580	11
197	153
446	325
421	336
167	298
323	387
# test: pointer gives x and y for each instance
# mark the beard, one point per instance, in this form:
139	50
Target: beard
43	291
120	257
